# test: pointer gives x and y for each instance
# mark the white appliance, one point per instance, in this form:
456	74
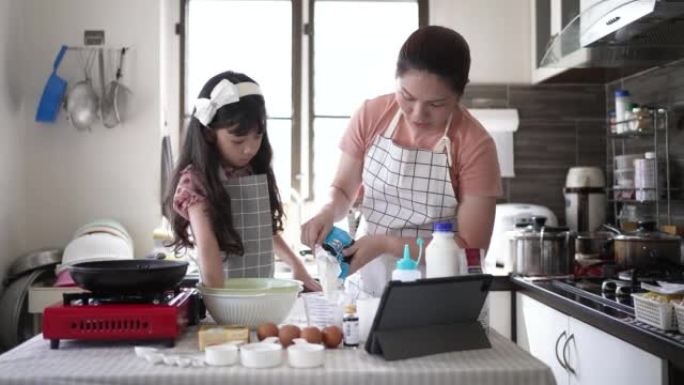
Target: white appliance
585	198
498	258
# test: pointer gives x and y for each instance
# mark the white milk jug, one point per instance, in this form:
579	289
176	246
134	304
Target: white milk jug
443	257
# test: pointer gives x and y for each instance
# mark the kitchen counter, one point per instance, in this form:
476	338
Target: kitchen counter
666	345
33	362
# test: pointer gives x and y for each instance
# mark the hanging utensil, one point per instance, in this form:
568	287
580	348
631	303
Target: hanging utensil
166	166
53	93
103	90
82	102
117	96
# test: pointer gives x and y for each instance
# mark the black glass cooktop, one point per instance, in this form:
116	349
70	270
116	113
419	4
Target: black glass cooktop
599	294
588	292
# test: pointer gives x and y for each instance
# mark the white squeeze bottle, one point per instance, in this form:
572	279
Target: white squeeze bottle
406	269
443	257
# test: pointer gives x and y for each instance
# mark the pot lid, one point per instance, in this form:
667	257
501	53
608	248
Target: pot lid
537	227
646	232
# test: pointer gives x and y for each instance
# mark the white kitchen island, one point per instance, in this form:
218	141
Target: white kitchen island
78	362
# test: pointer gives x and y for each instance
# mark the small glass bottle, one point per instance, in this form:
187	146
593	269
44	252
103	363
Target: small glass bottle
350	326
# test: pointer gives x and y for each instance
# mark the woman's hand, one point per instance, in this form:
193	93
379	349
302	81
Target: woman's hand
300	274
365	249
317	228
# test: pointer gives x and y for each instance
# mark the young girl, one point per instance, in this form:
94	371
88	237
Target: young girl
224	188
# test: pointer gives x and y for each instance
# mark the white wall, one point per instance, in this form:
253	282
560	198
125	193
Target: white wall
498	32
11	186
73	177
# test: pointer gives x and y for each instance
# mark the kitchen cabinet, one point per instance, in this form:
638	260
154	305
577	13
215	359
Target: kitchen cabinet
548	18
498	33
580	354
500	312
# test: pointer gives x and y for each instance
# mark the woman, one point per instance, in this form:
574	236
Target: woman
420	157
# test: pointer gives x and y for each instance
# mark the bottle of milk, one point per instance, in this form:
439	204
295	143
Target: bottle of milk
443	257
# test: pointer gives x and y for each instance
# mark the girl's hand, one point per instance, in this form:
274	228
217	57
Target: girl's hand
317	228
310	284
365	249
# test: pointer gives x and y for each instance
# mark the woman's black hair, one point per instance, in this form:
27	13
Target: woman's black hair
201	152
438	50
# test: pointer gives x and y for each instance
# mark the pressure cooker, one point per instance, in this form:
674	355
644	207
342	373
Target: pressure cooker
539	250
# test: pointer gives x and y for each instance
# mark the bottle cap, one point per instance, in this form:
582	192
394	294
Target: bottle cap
649	155
442	227
350	308
406	263
621	93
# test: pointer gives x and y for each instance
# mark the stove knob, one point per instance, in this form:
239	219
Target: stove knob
608	287
624	291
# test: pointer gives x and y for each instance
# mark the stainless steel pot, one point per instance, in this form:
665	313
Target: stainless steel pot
542	250
645	247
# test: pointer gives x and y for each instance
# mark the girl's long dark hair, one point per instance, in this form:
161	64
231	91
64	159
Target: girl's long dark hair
201	152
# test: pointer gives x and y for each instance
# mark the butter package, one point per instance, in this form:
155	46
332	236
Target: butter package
219	334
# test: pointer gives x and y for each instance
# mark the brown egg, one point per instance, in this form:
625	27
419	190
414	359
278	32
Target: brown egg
312	335
287	334
267	330
332	336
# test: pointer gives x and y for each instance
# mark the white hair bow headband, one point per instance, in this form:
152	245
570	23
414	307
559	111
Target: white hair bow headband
223	93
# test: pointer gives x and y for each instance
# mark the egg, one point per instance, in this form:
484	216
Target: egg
267	330
287	334
332	336
312	335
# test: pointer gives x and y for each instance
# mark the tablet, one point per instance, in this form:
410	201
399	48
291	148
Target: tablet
429	316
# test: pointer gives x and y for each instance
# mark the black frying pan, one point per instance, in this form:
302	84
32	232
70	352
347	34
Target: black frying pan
128	276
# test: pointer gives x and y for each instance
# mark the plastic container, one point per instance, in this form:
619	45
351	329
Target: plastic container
679	312
622	103
265	354
304	355
654	313
624	177
625	162
407	269
443	257
611	122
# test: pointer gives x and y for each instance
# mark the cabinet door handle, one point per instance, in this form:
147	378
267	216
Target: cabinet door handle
555	350
565	349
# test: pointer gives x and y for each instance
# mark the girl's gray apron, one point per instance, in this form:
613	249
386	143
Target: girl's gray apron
253	220
406	190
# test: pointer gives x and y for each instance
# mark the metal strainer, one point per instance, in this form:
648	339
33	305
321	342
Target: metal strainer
115	98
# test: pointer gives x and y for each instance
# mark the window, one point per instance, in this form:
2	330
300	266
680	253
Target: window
352	58
355	51
252	37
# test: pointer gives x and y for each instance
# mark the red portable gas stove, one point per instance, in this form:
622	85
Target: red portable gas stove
148	316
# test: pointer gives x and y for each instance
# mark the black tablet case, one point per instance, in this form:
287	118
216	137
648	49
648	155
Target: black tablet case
429	316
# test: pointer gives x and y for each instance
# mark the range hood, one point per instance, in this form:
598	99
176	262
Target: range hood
619	33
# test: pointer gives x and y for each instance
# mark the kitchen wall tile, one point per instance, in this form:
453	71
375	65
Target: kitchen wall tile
558	102
561	126
486	96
